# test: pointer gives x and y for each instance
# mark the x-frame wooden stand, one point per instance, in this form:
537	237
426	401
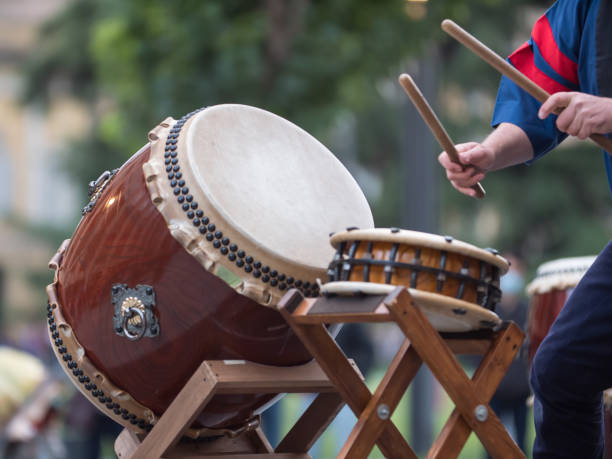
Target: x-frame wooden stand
423	343
238	377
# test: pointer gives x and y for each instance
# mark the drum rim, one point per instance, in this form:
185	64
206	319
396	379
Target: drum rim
450	306
418	238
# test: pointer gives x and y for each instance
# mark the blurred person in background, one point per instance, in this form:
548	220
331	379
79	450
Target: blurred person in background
510	400
87	430
570	56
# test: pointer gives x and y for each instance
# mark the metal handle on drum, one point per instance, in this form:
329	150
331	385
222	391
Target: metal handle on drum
142	327
95	189
133	315
95	184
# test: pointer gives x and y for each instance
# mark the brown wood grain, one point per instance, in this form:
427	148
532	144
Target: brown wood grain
247	377
347	380
180	414
486	378
309	427
449	373
389	392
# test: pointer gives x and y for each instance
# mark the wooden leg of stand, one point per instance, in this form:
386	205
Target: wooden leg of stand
311	424
347	381
260	441
487	377
400	373
180	414
450	375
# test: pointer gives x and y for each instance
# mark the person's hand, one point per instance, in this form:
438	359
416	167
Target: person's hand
476	160
580	114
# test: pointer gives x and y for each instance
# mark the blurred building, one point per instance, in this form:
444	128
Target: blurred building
33	190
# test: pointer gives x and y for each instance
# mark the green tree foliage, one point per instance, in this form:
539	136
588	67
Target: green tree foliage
136	62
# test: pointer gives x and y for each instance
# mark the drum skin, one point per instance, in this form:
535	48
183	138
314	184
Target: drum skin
125	240
543	310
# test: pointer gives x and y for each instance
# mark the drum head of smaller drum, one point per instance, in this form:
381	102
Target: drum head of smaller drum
445	314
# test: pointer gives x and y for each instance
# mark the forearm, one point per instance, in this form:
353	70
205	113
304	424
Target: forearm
510	146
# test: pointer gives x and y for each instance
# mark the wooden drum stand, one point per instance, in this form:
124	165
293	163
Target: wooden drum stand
337	380
422	344
238	377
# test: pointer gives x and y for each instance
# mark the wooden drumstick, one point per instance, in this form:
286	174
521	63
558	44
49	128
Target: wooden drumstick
434	124
505	68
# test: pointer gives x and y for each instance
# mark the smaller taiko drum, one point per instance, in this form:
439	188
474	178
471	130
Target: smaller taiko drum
554	282
455	283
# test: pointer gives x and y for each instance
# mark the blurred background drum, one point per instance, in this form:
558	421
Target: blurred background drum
455	283
182	253
549	291
20	375
554	282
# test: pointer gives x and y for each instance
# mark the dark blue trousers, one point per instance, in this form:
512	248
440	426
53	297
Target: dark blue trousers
572	367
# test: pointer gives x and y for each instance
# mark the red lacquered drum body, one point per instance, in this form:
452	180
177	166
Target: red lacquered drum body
543	310
148	287
549	291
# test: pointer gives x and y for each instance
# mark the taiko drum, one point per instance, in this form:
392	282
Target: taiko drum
554	282
456	283
182	254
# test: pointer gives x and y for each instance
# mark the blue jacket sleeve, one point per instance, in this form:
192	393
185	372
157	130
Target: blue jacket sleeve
549	59
517	107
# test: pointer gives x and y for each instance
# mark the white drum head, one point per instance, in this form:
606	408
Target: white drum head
274	182
560	274
444	313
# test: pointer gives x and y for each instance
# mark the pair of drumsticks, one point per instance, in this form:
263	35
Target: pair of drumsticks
500	65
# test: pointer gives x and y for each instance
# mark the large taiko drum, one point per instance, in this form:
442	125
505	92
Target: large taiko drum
455	283
182	254
548	293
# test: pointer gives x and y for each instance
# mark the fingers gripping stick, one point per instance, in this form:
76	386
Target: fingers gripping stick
495	61
434	124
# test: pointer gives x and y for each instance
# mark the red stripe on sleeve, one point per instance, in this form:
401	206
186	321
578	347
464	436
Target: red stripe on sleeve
522	59
543	36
